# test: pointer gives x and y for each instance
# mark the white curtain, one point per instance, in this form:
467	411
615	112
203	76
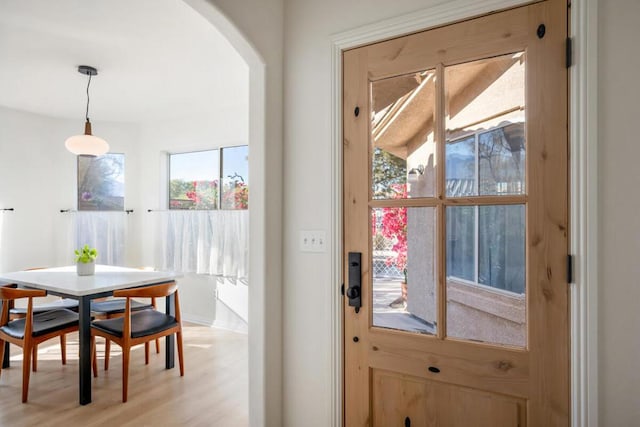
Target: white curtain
204	242
105	231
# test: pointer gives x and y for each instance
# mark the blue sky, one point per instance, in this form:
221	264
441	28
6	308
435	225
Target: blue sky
204	165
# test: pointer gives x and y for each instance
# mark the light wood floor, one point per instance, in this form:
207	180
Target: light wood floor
213	392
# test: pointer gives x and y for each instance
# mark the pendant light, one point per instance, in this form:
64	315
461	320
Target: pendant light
87	144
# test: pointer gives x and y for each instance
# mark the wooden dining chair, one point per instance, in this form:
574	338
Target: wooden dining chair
143	327
113	308
21	313
33	329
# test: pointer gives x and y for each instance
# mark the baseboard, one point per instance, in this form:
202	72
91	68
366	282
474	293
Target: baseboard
199	320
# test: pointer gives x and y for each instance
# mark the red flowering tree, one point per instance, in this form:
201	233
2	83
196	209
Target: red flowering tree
235	196
394	228
193	194
203	195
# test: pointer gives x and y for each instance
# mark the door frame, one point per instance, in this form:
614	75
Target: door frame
583	115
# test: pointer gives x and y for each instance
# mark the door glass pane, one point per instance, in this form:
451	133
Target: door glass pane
486	294
461	242
501	158
461	167
501	262
485	127
402	136
404	269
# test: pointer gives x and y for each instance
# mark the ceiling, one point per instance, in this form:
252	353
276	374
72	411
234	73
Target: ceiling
156	60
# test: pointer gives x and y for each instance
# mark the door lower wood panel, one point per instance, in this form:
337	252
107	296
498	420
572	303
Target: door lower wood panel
400	400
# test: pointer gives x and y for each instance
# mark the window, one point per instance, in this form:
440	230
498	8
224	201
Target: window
101	182
100	220
210	179
194	180
487	163
235	174
486	244
206	230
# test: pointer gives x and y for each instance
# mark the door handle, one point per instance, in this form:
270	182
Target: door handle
354	291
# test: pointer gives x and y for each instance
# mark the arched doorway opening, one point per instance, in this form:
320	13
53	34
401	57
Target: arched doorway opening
258	332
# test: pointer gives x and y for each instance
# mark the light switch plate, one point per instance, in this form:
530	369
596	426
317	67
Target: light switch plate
313	241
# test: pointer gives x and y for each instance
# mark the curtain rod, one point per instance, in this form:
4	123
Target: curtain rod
196	210
127	211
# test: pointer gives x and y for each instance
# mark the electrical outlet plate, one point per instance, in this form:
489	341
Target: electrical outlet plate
313	241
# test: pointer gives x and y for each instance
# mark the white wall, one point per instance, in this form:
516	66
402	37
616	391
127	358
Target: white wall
235	295
619	176
38	178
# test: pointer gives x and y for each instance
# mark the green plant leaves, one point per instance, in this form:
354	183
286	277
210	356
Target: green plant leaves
86	254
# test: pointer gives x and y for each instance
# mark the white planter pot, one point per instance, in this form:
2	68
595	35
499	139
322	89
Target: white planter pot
86	269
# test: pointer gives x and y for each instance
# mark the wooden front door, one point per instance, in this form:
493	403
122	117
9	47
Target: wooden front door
455	216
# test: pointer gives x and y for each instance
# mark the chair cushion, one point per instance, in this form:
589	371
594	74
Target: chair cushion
145	323
115	306
67	303
43	323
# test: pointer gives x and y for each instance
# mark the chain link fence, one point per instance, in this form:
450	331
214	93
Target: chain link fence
384	259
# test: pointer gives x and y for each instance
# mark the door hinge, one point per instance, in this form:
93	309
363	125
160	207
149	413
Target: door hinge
342	289
569	269
569	52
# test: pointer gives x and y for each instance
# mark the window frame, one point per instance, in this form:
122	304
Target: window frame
220	176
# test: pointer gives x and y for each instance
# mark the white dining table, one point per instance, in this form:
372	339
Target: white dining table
65	282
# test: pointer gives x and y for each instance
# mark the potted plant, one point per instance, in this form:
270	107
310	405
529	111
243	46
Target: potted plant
86	260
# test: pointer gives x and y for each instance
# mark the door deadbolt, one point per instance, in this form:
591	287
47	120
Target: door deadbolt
355	277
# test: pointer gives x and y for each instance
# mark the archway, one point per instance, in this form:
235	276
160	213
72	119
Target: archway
257	216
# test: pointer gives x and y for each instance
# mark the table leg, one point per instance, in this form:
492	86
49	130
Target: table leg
84	338
169	351
5	360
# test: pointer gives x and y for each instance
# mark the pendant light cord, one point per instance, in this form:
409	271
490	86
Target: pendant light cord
88	84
